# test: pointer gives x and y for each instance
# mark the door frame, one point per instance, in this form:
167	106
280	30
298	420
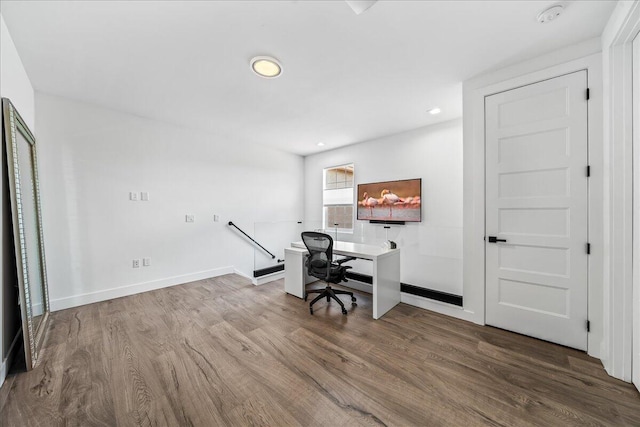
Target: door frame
617	42
635	359
475	92
581	74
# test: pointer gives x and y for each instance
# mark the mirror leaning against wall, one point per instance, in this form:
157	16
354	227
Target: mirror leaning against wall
27	230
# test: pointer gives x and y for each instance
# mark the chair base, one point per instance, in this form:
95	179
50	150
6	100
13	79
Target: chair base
329	293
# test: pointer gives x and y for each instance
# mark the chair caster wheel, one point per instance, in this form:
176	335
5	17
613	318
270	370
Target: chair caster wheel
353	299
354	304
311	310
344	311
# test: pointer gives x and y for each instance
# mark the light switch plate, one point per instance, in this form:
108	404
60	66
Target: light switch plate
189	218
216	218
144	196
146	262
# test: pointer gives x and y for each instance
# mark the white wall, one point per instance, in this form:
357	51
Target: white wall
15	85
431	250
91	158
617	37
579	57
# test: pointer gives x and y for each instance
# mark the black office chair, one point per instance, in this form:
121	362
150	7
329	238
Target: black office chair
320	264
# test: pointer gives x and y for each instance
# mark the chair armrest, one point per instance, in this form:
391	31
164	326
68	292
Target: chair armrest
343	260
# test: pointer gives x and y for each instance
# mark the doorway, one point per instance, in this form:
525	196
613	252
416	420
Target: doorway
536	221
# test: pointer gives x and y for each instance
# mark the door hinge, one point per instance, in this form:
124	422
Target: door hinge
588	94
588	248
588	326
588	171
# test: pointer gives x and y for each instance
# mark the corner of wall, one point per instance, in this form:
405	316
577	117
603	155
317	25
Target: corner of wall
15	85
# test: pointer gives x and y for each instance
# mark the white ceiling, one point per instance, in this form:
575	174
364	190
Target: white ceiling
346	79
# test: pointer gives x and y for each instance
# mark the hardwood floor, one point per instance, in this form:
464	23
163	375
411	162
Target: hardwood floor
223	352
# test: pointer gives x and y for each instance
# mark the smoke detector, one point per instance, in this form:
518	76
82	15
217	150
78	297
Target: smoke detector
550	14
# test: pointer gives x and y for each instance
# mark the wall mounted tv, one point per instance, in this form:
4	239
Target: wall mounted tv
391	201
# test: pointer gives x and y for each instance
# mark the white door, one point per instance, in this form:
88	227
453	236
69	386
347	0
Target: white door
536	202
635	361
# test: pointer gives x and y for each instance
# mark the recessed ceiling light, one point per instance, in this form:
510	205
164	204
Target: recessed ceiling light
320	144
266	66
435	111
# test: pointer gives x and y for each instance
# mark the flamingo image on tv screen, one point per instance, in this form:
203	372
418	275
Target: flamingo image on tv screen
391	201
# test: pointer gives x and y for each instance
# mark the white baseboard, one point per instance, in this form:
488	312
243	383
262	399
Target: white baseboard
241	273
438	307
268	278
123	291
3	371
6	362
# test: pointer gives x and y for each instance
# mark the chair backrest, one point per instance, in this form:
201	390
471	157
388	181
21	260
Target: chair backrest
320	247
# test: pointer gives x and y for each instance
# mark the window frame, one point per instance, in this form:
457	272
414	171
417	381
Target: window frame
351	204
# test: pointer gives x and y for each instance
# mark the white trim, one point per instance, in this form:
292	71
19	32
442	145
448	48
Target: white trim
268	278
620	18
241	273
123	291
3	372
4	367
437	306
617	38
635	360
474	92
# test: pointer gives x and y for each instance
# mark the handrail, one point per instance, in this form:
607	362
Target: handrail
250	238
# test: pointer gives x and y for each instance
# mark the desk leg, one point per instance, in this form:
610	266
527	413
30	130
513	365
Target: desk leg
294	274
386	284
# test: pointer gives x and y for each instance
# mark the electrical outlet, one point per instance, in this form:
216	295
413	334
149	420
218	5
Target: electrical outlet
136	263
144	196
133	196
146	262
189	218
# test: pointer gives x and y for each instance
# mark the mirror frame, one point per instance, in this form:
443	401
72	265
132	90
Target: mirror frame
13	123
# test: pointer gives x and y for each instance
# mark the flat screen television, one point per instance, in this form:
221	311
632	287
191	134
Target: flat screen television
390	201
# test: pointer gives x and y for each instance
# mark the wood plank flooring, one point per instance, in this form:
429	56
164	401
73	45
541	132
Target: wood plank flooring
222	352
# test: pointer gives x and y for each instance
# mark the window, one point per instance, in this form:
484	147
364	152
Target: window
337	197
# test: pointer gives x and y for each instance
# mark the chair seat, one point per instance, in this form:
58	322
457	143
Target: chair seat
336	273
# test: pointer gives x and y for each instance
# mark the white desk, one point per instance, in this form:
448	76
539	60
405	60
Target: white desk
386	271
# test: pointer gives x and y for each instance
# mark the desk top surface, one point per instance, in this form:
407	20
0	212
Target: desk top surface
358	250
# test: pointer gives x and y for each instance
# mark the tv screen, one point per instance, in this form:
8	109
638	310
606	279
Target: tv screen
391	201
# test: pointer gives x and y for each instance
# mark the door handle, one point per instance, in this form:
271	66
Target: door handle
494	239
